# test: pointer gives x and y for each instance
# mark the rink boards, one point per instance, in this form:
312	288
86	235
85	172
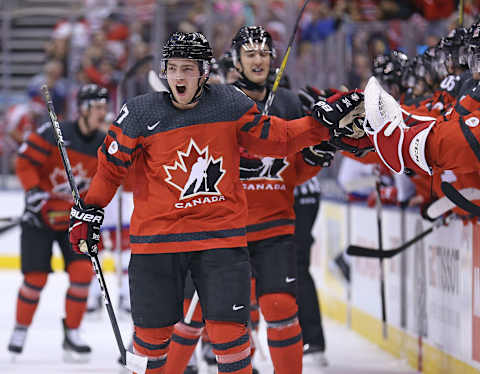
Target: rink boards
432	290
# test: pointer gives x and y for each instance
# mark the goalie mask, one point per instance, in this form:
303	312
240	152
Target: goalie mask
251	39
192	46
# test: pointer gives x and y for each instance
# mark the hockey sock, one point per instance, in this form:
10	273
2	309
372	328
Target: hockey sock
153	343
80	275
283	332
184	340
254	314
28	296
231	345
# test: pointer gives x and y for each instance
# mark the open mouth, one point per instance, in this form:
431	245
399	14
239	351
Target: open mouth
181	89
257	70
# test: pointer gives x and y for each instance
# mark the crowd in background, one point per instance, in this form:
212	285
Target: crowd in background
114	34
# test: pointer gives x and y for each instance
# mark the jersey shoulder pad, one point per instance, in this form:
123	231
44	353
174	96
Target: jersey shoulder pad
234	98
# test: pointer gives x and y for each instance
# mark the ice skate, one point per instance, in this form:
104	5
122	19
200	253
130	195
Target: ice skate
17	341
192	367
314	356
74	348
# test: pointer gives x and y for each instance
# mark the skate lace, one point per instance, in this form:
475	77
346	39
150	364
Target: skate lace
18	337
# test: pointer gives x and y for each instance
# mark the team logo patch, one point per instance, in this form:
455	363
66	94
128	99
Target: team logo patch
196	172
268	168
472	122
113	148
60	185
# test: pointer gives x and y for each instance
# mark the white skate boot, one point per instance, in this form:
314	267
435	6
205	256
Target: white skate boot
74	348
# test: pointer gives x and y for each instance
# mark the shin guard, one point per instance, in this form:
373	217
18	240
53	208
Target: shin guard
184	340
153	343
80	275
283	332
29	296
231	345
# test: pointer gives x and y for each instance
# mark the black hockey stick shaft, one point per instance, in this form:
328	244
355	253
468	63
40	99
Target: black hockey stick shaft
78	201
12	223
278	77
380	249
461	201
356	250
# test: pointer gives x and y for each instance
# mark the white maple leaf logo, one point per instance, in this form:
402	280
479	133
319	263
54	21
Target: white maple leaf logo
195	172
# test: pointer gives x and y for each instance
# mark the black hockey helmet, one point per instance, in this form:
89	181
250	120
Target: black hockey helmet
247	36
473	51
190	45
91	92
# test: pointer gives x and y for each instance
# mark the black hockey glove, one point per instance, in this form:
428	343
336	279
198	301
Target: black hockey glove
319	155
343	114
310	95
35	199
84	231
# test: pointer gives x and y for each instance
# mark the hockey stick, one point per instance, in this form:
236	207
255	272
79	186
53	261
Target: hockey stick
461	201
271	95
380	249
444	204
131	361
191	308
12	222
356	250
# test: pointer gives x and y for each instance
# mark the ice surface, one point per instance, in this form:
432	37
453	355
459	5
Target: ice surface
347	352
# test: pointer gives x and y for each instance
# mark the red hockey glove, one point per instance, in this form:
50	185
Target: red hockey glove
85	229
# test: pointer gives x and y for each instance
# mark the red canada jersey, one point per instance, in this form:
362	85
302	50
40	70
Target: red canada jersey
39	165
269	182
188	195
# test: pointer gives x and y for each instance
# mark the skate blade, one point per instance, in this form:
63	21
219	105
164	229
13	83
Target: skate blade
76	358
14	357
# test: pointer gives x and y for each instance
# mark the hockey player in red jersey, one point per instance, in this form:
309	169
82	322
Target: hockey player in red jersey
190	208
46	218
268	183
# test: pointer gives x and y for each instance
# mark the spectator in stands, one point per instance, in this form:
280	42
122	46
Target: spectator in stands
52	76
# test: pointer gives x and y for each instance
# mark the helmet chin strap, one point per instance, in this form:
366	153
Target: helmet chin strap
247	84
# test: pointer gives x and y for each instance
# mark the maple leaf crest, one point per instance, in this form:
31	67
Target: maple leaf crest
195	172
60	185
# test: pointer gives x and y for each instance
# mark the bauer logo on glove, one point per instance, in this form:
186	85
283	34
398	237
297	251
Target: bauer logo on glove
85	229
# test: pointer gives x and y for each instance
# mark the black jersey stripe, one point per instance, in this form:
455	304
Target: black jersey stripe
249	125
114	160
38	148
187	237
265	129
30	159
270	224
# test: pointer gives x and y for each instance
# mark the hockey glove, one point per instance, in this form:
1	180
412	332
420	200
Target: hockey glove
84	231
343	114
35	199
310	95
319	155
